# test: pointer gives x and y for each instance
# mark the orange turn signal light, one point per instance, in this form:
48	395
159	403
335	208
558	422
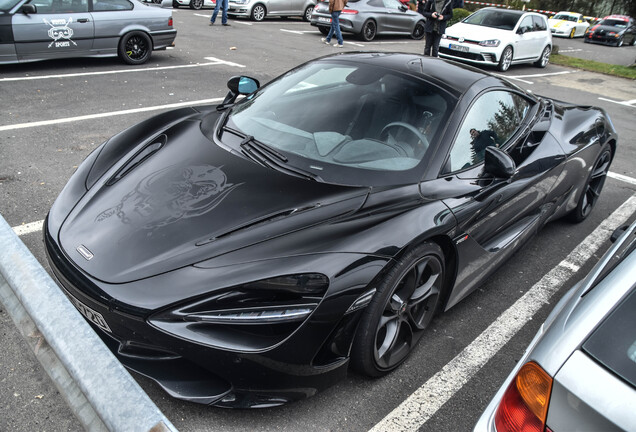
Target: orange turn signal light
524	406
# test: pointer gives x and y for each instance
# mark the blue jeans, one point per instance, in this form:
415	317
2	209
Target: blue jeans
220	3
335	27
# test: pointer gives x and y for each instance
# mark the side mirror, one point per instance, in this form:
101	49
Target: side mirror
240	85
28	9
521	30
499	163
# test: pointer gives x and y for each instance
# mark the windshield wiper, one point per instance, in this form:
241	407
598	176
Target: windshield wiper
267	156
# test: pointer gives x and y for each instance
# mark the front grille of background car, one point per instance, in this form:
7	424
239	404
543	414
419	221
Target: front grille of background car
466	55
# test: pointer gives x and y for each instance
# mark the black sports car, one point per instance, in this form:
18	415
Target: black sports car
612	30
243	255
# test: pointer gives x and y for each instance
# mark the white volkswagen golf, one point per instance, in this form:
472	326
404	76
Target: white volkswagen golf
499	37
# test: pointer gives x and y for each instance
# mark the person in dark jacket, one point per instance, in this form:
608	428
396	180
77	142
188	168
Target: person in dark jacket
437	13
481	140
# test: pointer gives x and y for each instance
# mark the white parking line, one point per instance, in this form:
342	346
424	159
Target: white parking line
109	114
213	62
622	177
415	411
520	77
629	103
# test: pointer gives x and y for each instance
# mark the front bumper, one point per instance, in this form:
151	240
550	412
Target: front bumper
601	39
312	359
470	53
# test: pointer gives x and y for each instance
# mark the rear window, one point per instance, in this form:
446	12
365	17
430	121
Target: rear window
613	344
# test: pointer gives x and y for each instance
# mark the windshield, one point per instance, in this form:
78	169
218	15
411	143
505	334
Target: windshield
6	5
565	17
614	23
346	120
494	18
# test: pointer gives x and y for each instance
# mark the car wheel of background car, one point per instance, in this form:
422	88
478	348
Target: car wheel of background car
506	59
175	5
544	59
418	31
593	187
135	48
324	30
369	29
308	12
403	306
196	4
619	43
258	12
572	33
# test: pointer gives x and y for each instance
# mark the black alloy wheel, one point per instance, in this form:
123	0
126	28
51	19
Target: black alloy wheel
368	32
135	48
324	30
418	31
196	4
593	186
401	309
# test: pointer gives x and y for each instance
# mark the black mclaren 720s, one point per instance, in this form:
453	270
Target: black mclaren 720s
246	254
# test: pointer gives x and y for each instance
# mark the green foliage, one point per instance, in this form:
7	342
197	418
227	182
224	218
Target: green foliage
458	15
593	66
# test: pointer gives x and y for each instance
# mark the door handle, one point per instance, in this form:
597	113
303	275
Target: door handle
82	20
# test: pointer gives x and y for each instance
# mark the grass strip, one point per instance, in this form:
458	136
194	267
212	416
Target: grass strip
594	66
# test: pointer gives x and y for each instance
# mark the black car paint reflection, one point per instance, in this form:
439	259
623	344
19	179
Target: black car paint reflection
246	255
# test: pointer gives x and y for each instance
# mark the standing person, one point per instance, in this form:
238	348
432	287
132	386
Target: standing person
335	8
437	13
224	5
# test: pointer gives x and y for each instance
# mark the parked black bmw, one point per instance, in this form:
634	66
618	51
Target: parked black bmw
613	30
244	255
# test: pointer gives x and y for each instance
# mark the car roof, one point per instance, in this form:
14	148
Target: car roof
456	78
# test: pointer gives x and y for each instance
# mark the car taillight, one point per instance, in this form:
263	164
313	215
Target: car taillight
349	11
524	406
170	22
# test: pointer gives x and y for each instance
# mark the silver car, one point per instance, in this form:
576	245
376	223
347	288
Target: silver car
579	373
369	18
33	30
257	10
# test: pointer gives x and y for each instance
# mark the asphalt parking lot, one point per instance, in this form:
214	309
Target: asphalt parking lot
55	113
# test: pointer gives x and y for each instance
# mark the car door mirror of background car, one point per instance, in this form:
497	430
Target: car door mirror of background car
498	163
28	9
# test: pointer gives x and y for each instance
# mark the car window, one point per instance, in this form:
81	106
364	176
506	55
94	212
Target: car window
539	23
60	6
491	121
614	23
6	5
392	4
111	5
376	3
526	25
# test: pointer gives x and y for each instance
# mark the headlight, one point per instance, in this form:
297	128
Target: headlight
250	317
490	43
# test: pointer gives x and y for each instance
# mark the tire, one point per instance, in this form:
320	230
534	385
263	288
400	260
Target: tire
307	14
175	5
418	31
196	4
506	59
544	59
258	12
369	30
401	309
593	186
324	30
572	33
135	48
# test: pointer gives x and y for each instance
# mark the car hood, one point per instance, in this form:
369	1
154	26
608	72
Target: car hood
188	201
478	33
560	23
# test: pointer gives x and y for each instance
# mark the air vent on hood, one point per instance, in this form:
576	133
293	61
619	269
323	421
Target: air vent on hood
148	150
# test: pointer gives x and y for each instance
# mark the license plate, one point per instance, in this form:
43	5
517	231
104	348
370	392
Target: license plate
323	19
458	48
90	314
